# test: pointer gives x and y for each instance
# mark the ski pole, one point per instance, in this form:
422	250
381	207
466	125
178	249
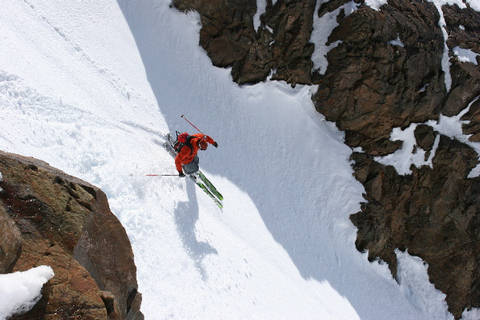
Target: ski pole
185	118
162	175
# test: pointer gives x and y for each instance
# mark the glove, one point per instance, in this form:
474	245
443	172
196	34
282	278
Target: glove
181	174
215	144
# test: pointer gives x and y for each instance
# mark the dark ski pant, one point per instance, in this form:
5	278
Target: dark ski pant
191	167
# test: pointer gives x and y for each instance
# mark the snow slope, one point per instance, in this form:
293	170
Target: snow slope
91	87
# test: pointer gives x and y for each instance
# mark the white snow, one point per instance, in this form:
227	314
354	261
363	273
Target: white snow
461	27
21	290
322	28
375	4
92	86
1	177
451	127
474	4
403	158
397	42
466	55
413	278
261	7
443	26
424	88
474	313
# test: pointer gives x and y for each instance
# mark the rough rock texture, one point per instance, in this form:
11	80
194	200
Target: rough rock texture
432	212
465	76
50	218
10	242
280	46
371	86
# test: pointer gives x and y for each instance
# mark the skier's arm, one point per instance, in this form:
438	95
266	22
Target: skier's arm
211	141
207	138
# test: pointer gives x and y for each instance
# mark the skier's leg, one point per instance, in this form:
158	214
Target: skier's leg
192	167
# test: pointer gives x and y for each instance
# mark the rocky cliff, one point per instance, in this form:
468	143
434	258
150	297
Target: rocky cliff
50	218
389	68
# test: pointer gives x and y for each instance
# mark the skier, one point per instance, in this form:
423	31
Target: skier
187	148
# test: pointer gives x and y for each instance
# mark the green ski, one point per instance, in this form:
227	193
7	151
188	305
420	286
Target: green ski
207	191
210	185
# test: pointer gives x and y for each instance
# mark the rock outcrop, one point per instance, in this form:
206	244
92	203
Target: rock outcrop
433	213
50	218
386	72
279	47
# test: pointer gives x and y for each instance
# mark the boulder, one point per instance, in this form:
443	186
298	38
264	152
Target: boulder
50	218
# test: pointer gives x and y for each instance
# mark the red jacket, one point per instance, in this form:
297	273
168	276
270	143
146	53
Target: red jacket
186	155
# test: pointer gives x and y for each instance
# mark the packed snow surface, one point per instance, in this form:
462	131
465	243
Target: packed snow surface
92	87
21	290
466	55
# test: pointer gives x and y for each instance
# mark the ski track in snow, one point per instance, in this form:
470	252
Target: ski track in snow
99	85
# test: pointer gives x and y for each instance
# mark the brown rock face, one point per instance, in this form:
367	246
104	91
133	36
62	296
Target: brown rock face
280	45
465	76
432	212
10	242
371	86
50	218
473	126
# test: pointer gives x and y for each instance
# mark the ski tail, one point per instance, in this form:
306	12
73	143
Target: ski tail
210	186
207	191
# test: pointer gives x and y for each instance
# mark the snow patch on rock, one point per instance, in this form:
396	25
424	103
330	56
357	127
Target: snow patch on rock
322	28
466	55
261	7
397	42
375	4
403	158
451	127
20	291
